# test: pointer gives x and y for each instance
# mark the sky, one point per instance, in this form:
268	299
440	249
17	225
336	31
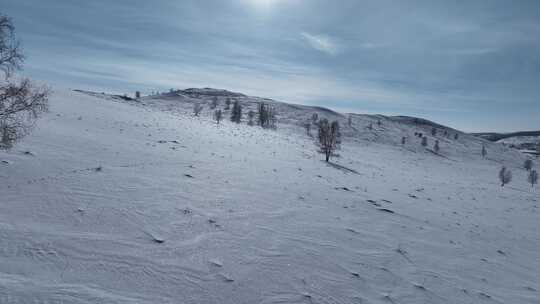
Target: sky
472	65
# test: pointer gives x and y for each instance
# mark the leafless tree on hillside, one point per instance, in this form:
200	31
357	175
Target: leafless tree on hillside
197	108
528	164
533	177
307	126
214	103
329	137
21	103
218	115
251	116
505	176
424	141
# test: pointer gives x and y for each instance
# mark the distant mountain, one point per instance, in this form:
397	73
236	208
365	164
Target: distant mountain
491	136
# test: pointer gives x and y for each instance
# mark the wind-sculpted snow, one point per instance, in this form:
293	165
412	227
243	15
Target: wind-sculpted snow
119	201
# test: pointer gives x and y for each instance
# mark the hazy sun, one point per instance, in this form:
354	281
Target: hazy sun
262	4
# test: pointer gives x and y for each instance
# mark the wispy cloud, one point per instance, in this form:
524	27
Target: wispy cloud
321	43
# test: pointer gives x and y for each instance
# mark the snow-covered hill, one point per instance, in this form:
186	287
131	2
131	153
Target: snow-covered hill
138	201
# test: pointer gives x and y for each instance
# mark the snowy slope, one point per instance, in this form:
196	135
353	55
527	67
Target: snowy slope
113	201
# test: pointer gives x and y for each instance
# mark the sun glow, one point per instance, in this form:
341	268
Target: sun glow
262	4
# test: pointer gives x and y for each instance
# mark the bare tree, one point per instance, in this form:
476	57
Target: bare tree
505	176
533	178
214	103
218	115
484	151
251	116
266	116
197	108
315	118
236	113
436	147
424	141
528	164
307	126
329	137
21	103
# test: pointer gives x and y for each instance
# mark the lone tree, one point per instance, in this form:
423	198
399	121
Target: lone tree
251	115
436	147
505	176
315	118
528	164
533	178
197	108
484	151
218	115
21	102
266	116
236	113
424	141
329	137
214	103
307	126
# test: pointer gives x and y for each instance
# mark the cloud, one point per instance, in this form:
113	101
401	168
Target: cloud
321	43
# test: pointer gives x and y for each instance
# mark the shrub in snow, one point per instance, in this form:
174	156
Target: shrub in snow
424	141
315	118
197	108
434	131
403	140
236	113
505	176
528	164
436	147
533	177
307	126
21	103
251	115
227	103
456	137
214	103
484	151
218	115
329	137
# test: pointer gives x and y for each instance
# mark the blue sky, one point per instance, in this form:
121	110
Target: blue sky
473	65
